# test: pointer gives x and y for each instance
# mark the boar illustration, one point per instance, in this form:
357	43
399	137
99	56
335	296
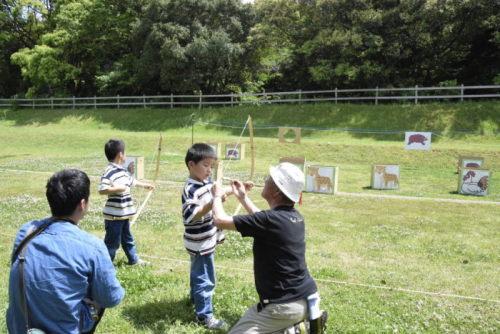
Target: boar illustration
417	138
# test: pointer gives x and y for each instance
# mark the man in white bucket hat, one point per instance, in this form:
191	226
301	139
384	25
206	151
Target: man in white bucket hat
287	292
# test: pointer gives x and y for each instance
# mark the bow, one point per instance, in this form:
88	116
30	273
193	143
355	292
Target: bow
150	192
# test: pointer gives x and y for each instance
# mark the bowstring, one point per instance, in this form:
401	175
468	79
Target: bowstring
225	165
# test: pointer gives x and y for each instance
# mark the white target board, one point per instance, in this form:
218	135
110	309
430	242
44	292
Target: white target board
135	166
473	181
418	140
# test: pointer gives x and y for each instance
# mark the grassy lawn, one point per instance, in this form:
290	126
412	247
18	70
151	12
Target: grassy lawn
355	246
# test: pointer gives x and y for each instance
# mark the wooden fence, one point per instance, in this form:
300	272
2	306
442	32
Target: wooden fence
412	94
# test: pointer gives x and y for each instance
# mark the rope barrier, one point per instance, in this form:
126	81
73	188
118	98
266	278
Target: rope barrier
330	281
353	130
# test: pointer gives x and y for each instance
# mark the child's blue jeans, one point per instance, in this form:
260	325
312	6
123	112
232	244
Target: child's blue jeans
202	283
118	232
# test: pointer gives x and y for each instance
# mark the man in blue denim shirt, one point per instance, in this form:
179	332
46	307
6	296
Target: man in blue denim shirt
66	269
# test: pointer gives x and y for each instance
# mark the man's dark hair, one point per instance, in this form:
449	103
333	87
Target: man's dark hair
113	147
65	190
198	152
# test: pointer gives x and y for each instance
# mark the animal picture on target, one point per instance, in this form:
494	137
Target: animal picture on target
235	151
418	140
321	179
473	181
385	177
471	162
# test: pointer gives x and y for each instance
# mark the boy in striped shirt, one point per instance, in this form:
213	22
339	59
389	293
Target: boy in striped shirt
119	208
201	236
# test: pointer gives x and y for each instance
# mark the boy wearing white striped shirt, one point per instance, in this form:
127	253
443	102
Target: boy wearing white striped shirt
200	235
119	208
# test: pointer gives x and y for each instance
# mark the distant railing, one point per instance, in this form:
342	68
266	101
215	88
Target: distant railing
376	95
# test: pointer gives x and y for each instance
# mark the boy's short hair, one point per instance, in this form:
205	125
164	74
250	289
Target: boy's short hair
198	152
113	147
65	190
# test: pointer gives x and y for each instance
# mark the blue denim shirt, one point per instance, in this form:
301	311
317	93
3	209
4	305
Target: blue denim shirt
63	266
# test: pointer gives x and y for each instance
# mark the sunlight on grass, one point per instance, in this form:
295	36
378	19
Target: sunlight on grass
355	245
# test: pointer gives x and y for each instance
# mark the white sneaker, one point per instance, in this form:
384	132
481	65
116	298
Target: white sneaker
213	323
141	263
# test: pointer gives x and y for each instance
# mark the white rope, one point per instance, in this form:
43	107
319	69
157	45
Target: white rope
430	293
370	286
415	198
329	281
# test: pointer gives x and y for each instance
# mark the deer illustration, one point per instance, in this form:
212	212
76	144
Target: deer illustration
320	181
387	177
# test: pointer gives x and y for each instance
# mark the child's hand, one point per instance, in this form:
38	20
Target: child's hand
149	186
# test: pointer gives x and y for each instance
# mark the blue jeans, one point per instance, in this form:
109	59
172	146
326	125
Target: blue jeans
118	232
202	283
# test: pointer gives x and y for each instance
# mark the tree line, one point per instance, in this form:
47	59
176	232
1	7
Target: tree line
134	47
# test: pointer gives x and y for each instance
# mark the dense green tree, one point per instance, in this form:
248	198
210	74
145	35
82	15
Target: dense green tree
21	24
88	37
192	45
107	47
364	43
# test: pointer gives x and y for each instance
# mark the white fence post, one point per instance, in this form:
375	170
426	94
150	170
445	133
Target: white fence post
51	103
416	94
462	93
232	99
73	102
336	94
199	102
95	102
33	104
171	100
144	101
376	95
118	101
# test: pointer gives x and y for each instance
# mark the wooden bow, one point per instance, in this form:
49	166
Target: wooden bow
150	192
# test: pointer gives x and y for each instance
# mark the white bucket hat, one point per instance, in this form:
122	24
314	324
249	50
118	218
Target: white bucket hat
289	179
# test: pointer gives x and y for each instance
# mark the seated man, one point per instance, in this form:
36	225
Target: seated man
288	294
61	277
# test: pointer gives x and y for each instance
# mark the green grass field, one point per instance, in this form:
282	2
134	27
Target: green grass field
372	257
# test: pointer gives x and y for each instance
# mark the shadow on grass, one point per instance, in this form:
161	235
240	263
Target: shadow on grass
158	316
154	315
380	122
